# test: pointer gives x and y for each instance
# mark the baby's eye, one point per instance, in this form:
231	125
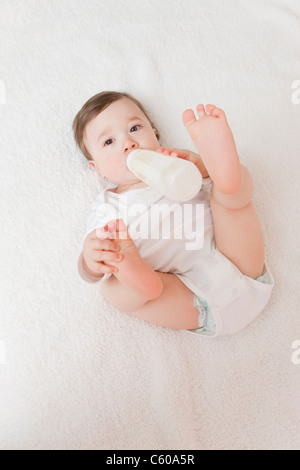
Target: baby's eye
108	142
135	128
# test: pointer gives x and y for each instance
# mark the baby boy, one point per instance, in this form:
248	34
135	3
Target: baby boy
215	290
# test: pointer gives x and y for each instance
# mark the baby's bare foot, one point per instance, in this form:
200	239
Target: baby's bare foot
214	141
133	269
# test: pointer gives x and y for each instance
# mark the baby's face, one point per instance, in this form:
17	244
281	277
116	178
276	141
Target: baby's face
111	136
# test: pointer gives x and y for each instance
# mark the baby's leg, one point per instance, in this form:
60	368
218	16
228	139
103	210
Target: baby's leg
237	228
172	309
238	232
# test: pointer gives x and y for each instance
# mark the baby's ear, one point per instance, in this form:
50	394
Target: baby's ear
157	134
93	164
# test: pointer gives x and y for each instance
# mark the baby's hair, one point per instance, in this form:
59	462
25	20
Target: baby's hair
95	106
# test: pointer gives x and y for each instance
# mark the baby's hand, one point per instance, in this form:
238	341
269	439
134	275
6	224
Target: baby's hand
98	250
186	155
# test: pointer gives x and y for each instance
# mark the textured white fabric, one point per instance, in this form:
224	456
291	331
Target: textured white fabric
76	373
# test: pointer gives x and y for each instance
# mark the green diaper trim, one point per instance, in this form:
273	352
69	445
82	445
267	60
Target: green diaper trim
205	320
264	278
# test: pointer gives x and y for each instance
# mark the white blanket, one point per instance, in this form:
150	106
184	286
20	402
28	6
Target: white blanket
74	372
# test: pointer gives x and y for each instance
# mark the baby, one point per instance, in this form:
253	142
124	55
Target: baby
214	290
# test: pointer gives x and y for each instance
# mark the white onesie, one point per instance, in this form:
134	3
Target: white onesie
178	238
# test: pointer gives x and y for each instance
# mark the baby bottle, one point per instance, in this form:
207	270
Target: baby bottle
174	177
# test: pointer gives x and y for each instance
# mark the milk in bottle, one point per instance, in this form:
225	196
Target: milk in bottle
177	179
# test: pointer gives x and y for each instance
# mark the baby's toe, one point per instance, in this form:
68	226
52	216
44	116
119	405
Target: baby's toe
200	110
209	108
188	117
121	226
214	111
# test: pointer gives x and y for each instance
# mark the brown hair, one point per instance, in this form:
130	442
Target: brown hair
95	106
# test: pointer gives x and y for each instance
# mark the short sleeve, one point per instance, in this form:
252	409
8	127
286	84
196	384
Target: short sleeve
101	213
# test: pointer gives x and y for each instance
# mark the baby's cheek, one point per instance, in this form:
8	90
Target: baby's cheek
110	166
115	170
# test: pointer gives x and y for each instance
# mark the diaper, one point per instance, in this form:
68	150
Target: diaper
242	305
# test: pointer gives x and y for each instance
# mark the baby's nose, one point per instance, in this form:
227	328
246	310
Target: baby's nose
130	145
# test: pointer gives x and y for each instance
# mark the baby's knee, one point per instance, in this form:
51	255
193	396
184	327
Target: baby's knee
237	200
